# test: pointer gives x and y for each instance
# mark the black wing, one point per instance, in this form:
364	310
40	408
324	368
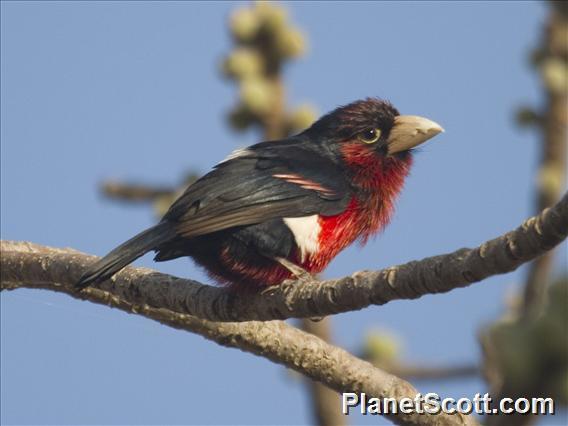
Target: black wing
288	178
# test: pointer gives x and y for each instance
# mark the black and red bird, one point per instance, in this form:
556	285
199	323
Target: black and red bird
286	205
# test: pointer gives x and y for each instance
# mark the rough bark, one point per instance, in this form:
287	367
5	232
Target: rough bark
325	401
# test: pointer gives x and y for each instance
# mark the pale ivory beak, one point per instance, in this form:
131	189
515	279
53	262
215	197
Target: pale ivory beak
410	131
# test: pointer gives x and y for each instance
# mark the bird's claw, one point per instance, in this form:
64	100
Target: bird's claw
269	290
300	273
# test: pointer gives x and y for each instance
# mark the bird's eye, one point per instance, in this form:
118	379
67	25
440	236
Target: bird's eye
369	135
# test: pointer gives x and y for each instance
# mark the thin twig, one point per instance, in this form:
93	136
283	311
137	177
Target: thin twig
423	372
134	192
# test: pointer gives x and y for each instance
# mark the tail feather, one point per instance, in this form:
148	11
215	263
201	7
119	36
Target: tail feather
126	253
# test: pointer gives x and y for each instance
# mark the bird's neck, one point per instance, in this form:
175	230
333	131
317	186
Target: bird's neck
378	181
374	173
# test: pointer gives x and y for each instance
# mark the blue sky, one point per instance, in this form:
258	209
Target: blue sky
131	90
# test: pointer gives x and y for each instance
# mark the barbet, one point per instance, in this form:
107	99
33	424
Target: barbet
289	205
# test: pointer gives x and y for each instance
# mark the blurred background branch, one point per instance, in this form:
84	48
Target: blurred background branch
526	351
551	62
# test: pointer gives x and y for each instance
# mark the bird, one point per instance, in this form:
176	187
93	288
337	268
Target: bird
281	209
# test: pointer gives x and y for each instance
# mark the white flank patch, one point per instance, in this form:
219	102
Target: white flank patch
239	152
306	233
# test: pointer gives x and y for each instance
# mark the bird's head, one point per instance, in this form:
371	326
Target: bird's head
373	126
372	139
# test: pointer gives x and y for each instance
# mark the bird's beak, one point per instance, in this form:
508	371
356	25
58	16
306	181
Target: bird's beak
410	131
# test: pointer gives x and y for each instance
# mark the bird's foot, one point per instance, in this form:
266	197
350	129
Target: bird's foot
300	273
268	291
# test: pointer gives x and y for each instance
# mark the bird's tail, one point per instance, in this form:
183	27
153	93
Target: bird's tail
126	253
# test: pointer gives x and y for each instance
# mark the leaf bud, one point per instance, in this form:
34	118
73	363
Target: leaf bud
256	95
290	43
242	63
302	117
244	24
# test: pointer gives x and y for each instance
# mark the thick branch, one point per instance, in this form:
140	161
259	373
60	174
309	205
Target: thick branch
438	274
30	265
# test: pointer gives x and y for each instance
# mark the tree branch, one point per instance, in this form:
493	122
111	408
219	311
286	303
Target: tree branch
326	404
35	266
438	274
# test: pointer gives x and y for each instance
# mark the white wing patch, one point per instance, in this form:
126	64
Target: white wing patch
239	152
306	232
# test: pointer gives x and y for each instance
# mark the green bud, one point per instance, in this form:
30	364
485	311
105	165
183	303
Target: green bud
273	16
381	348
244	24
242	63
550	180
290	43
302	117
554	72
256	95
